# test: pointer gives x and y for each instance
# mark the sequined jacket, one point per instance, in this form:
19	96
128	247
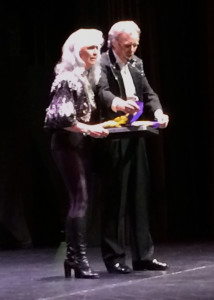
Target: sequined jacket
70	101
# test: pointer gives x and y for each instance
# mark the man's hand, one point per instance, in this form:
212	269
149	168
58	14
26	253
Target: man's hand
161	118
126	106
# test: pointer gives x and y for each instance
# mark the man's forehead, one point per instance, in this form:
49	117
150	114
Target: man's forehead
128	38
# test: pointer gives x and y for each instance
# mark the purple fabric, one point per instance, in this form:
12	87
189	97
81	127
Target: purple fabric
135	117
155	124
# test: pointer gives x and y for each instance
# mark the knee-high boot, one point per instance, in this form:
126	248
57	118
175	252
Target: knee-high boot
76	257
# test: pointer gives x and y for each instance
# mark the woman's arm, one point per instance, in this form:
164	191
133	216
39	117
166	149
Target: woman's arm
95	131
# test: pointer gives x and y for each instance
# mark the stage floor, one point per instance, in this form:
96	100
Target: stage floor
37	274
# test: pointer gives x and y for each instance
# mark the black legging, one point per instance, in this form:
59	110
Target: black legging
73	164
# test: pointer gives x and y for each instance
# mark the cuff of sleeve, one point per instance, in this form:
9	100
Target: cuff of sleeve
115	103
158	113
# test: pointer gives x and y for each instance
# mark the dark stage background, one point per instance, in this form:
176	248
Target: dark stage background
177	46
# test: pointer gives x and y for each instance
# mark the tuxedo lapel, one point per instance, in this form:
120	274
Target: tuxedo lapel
117	75
137	79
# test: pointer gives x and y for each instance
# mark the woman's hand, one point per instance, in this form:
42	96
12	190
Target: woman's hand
97	131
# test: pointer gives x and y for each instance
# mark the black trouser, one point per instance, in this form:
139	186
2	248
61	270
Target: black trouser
126	184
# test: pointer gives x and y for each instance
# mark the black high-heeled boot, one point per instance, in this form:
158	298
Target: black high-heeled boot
76	251
70	261
83	269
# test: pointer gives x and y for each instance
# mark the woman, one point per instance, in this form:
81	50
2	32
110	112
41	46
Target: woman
72	117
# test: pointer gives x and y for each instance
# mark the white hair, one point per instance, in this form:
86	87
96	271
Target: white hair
71	61
128	27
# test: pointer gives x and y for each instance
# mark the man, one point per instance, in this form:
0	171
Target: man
125	169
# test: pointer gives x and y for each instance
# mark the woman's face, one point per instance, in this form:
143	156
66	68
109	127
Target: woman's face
89	55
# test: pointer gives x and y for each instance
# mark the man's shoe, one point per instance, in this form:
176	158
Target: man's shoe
151	265
119	268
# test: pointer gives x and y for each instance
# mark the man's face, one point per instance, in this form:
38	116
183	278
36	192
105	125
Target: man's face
126	45
89	55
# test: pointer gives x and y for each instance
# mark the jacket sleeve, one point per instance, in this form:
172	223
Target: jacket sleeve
61	112
150	98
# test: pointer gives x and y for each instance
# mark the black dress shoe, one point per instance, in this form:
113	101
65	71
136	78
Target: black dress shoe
119	268
151	265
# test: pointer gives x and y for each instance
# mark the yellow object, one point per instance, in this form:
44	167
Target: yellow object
110	124
121	120
117	122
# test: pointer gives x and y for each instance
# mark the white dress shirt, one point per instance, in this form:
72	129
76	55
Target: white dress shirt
129	86
127	78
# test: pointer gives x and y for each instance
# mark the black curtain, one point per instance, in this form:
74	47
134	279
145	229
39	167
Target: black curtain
177	49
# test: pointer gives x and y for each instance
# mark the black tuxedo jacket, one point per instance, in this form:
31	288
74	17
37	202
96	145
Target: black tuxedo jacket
111	86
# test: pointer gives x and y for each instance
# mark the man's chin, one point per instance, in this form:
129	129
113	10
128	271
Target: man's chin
129	57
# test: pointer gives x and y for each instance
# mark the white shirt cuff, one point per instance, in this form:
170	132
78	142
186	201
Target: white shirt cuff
115	103
158	113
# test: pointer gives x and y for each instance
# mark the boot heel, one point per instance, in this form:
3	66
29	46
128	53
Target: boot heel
68	269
